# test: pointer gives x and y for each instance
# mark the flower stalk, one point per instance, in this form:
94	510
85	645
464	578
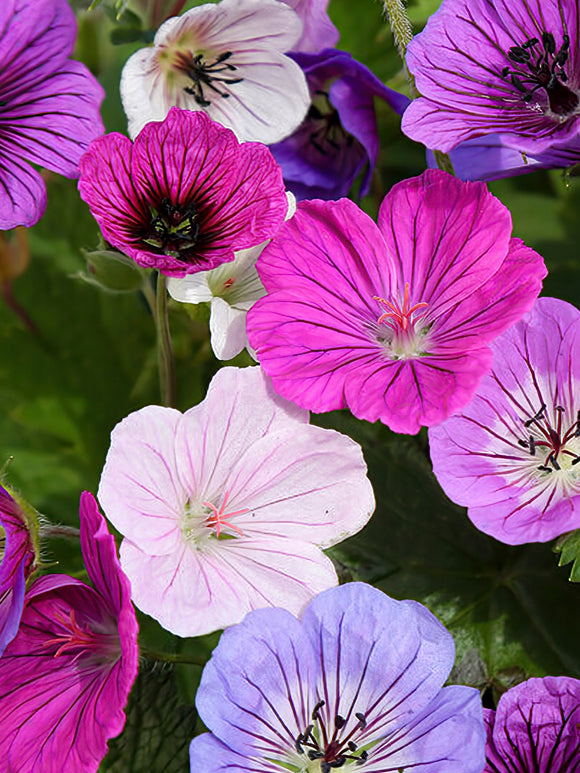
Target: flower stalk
165	358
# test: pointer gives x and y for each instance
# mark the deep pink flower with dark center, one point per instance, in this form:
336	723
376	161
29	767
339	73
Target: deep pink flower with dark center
392	322
185	195
16	563
49	104
65	678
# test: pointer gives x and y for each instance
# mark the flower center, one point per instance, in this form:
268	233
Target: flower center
540	66
333	747
204	520
327	133
104	645
205	74
2	543
401	319
559	444
174	229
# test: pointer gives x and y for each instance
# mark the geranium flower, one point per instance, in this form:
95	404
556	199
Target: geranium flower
318	31
356	683
339	135
231	290
511	455
227	59
510	67
392	322
65	678
49	105
224	509
17	559
536	728
185	195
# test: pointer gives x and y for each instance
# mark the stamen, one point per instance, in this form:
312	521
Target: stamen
332	751
219	518
174	229
203	74
400	318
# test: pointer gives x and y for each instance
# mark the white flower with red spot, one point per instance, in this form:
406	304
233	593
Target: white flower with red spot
227	59
225	508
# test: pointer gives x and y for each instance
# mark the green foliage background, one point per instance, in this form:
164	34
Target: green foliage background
89	359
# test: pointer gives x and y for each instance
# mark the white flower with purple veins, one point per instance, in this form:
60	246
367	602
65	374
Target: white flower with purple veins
231	289
355	684
225	508
227	59
511	456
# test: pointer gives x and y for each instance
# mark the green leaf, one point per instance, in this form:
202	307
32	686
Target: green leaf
159	727
569	548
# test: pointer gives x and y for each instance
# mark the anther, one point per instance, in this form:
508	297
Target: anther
544	469
362	719
339	722
316	709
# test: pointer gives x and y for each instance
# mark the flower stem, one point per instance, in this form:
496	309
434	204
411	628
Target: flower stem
171	657
164	347
443	161
400	24
59	530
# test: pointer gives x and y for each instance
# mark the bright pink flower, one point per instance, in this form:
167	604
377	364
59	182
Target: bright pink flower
392	322
65	678
225	508
185	195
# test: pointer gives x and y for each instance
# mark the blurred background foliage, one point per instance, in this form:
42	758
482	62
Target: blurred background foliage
76	360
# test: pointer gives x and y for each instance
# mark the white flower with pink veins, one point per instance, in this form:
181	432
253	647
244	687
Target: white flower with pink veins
227	59
227	507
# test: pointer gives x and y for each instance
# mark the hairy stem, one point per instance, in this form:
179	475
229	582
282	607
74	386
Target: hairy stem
171	657
164	347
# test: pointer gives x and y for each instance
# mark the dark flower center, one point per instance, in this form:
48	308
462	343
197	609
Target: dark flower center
174	229
332	746
540	66
552	439
327	133
206	74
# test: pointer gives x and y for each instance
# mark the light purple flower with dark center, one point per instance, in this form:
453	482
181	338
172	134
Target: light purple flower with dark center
65	678
507	67
354	684
536	728
339	135
49	104
511	456
392	321
17	558
185	195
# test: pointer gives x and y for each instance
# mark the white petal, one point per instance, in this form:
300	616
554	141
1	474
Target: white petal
228	329
192	288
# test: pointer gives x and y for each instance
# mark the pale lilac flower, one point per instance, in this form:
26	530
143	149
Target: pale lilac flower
318	31
507	67
392	321
339	136
49	104
17	558
231	290
185	195
511	455
355	684
65	678
536	728
224	509
227	59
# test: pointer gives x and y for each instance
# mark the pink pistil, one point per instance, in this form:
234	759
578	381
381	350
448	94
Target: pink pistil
228	283
83	640
397	318
219	518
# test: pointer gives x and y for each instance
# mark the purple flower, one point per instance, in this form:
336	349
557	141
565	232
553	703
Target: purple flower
357	681
339	135
511	455
536	728
225	508
392	322
49	104
65	678
185	195
318	31
507	67
17	558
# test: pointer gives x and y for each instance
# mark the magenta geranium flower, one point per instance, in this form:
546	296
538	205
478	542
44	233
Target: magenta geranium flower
49	104
225	508
510	67
536	728
17	559
65	678
185	195
392	321
511	456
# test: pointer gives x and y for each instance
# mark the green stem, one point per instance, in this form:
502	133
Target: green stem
443	161
164	347
171	657
59	530
400	24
